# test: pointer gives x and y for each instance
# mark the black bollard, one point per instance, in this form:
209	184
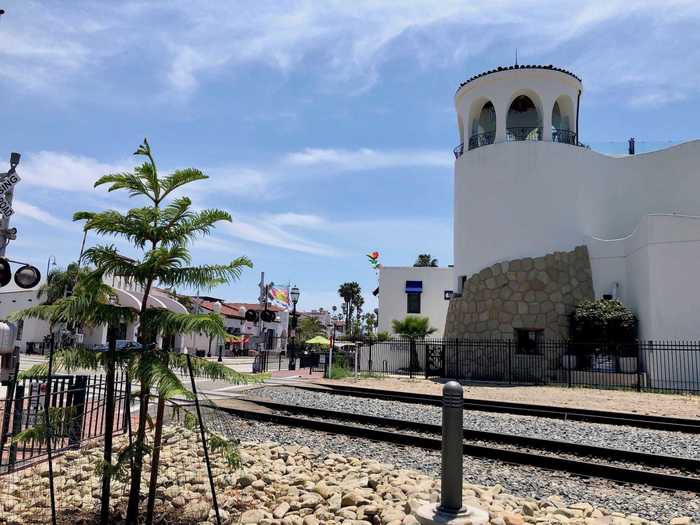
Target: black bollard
452	424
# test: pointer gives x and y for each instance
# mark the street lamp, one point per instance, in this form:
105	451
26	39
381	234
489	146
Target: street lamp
49	264
335	308
217	310
294	295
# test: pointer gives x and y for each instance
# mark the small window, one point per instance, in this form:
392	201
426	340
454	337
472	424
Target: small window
413	303
528	340
448	295
20	328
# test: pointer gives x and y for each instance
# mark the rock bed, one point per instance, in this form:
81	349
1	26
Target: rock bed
521	481
608	436
607	461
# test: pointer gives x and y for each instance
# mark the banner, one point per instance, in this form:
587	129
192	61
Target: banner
279	296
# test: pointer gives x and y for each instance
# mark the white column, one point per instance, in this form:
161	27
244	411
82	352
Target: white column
501	119
547	106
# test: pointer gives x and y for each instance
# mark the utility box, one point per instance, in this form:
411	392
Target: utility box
9	355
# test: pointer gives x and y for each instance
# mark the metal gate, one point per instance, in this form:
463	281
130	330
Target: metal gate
434	360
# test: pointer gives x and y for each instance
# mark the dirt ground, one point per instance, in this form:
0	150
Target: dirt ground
672	405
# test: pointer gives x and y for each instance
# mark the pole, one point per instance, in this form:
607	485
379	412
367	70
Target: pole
5	232
204	440
47	424
109	429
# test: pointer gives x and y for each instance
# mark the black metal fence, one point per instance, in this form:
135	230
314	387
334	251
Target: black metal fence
660	366
77	413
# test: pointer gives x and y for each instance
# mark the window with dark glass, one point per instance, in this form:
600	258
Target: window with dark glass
413	303
528	340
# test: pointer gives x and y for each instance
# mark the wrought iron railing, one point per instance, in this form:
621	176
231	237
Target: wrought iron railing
564	136
482	139
523	133
459	150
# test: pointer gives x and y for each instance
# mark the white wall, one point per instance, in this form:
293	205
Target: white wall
525	199
13	299
392	294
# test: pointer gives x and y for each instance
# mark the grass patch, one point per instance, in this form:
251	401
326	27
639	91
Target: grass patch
338	372
371	375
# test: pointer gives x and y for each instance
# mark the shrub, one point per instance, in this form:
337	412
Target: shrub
603	320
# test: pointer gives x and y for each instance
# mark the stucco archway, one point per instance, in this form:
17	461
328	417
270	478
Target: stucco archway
563	120
482	123
524	118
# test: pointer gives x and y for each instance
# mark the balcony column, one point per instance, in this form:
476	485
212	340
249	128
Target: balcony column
547	106
501	119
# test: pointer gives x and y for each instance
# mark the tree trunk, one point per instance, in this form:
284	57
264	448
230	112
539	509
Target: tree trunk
132	513
155	460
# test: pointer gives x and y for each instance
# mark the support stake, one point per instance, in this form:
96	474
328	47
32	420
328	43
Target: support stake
204	440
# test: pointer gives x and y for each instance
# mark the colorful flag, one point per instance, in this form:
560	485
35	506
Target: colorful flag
279	295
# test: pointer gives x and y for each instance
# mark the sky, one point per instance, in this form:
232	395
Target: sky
326	127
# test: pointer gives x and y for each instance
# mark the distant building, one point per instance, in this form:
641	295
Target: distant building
423	291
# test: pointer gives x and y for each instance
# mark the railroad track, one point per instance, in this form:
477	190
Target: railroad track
552	412
574	458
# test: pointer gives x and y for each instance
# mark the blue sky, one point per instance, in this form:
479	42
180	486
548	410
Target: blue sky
326	127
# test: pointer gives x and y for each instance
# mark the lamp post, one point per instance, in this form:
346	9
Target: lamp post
49	264
335	308
217	310
294	295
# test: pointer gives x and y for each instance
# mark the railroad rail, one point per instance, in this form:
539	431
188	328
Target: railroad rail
524	409
410	433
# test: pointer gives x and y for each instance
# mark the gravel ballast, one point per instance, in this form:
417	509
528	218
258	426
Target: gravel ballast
521	481
610	436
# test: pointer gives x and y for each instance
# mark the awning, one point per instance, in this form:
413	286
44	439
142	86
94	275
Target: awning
133	299
318	340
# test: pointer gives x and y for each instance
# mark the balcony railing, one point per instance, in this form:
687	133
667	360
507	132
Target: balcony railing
482	139
564	136
523	133
459	151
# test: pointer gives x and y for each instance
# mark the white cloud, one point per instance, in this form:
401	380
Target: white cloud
26	210
63	171
345	43
261	230
297	219
369	159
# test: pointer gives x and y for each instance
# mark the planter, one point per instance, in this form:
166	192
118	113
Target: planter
568	362
628	365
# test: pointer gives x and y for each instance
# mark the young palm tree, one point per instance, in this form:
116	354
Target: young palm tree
162	231
60	283
413	327
425	259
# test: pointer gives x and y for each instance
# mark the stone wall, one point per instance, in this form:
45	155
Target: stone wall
533	293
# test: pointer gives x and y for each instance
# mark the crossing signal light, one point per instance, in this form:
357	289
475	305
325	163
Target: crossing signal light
5	272
267	316
251	316
27	277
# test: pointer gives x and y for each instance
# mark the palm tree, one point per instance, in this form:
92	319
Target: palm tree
425	259
161	231
413	327
310	327
349	292
60	283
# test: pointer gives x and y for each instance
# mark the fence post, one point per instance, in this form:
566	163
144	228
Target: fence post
49	435
425	348
75	433
16	423
510	362
369	363
639	364
9	395
568	362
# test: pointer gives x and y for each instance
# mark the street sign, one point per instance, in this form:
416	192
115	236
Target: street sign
5	208
8	182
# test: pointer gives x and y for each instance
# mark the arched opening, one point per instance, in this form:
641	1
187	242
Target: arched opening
483	125
563	121
523	121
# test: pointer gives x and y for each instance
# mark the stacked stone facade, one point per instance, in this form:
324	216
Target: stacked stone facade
533	293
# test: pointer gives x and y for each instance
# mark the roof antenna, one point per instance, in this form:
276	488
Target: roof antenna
516	56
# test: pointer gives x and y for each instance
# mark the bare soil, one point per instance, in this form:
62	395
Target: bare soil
670	405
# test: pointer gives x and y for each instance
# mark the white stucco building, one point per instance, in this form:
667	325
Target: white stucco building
542	222
525	188
423	291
